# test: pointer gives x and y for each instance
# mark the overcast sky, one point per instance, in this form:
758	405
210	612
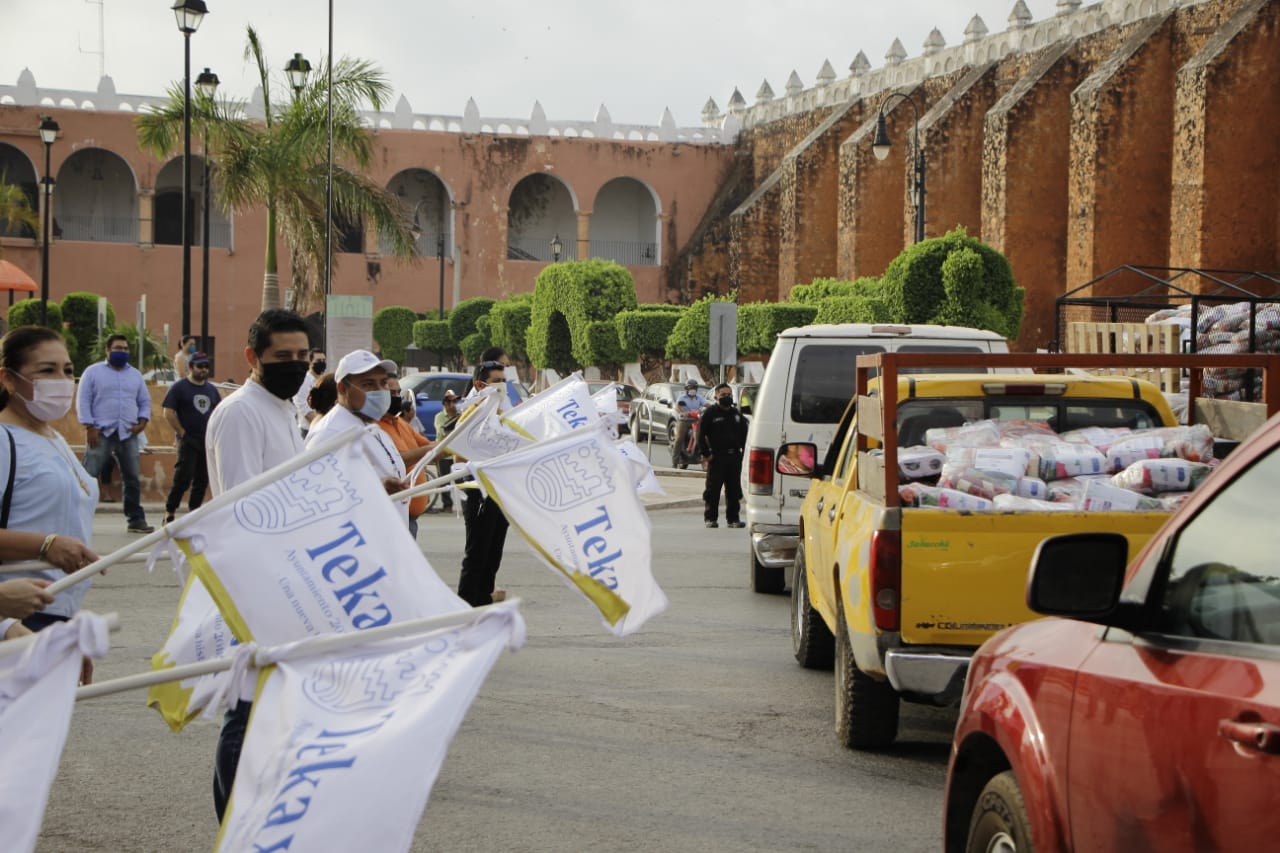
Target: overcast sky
572	55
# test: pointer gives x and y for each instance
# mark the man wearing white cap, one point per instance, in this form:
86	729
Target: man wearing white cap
363	398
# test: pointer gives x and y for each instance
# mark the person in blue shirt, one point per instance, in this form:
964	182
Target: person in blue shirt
114	406
186	408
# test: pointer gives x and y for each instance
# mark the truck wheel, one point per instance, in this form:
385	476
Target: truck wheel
811	640
999	823
866	709
766	580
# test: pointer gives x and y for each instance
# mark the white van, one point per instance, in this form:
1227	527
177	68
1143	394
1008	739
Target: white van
806	386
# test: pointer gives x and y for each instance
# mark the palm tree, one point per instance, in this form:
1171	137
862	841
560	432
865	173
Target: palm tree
15	209
281	164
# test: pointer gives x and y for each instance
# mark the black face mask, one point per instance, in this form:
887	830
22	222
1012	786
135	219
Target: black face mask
724	402
319	366
283	378
397	406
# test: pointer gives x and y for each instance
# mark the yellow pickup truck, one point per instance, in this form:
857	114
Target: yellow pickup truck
899	596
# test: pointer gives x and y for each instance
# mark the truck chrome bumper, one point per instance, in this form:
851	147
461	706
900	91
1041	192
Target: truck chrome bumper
932	677
774	544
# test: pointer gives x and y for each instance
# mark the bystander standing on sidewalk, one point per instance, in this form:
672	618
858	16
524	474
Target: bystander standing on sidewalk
187	408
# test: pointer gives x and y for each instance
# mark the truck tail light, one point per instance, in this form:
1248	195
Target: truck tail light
886	578
760	470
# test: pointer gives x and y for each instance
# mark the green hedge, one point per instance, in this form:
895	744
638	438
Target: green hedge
690	340
645	330
26	312
977	289
80	313
433	336
853	309
567	299
393	330
509	325
827	288
463	317
760	322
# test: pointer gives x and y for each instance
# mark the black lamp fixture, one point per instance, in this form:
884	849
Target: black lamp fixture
207	85
297	71
880	146
556	248
48	133
188	14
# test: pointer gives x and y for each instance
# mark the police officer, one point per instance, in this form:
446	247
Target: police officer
722	437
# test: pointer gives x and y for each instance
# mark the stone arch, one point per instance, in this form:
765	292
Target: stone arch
17	170
167	215
96	198
540	208
428	203
624	223
1130	12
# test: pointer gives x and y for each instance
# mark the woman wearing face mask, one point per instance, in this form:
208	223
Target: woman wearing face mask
363	398
49	498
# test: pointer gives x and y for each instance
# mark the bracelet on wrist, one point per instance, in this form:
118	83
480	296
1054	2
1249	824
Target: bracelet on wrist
48	543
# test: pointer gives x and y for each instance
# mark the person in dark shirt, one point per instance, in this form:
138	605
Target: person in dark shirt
187	407
722	437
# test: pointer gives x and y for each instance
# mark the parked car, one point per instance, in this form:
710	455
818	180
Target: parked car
655	410
744	396
161	376
1149	717
625	393
428	390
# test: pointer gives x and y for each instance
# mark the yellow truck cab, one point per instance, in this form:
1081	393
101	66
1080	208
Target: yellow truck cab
901	595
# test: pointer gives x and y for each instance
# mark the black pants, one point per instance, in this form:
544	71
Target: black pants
191	470
723	472
39	621
445	464
227	757
482	554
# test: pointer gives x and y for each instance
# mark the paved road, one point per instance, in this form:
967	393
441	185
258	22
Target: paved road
699	733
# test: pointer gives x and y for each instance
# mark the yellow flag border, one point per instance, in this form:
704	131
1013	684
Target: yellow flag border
612	606
201	567
171	696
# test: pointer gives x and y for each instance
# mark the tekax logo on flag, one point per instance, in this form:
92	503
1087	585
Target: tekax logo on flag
571	477
315	492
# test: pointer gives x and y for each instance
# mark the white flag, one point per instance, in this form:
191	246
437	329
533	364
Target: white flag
563	407
321	550
37	692
199	633
343	749
574	499
646	481
606	403
481	435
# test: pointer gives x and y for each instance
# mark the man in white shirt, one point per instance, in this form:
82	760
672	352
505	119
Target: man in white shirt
363	398
251	431
305	413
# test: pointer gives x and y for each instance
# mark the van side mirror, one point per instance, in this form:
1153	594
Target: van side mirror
797	459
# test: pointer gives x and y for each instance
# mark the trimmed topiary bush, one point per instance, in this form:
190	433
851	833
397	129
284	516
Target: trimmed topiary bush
393	330
978	288
645	331
26	312
853	309
80	314
690	340
827	288
433	336
509	325
463	317
760	322
568	298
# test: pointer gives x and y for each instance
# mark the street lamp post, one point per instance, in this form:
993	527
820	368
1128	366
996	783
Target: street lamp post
189	14
207	85
880	147
48	133
556	248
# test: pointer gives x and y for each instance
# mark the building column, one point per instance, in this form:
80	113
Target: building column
146	218
584	234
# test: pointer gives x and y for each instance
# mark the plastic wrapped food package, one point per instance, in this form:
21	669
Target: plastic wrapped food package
919	463
1155	476
976	434
977	482
933	496
1193	443
1099	437
1064	460
1014	461
1017	503
1101	496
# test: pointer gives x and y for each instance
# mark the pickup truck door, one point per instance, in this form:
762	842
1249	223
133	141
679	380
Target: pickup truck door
827	496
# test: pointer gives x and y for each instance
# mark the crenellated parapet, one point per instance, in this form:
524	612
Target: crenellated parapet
723	130
1072	20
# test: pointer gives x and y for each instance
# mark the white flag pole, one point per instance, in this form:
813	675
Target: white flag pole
9	648
432	485
303	648
228	497
42	566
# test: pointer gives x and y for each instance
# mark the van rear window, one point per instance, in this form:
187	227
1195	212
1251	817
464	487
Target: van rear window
825	377
825	380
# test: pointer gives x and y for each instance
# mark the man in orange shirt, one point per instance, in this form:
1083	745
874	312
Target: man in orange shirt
412	446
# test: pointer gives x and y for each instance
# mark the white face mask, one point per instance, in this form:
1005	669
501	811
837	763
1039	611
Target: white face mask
376	404
50	398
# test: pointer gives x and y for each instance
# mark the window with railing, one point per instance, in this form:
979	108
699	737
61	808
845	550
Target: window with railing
93	228
629	253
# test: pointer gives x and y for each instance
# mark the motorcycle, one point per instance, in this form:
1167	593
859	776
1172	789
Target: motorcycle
684	450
